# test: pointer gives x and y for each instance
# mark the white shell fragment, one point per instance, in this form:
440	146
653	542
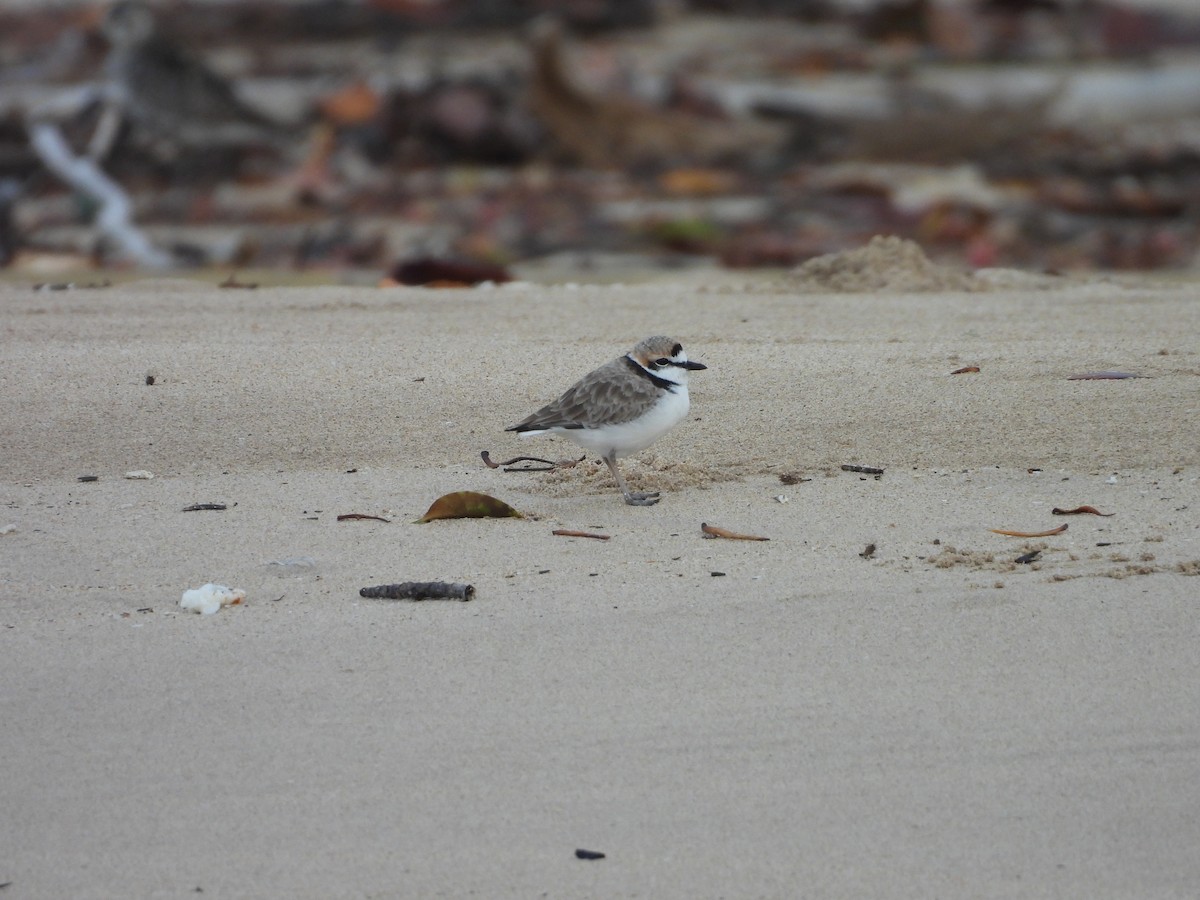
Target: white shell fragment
209	598
139	475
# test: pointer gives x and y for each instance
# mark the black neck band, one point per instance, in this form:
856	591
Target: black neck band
656	380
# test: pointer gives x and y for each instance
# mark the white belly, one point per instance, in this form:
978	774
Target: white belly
637	434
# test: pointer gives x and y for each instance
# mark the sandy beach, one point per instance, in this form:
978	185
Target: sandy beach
781	718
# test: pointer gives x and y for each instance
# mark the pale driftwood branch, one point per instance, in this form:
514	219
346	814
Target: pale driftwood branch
85	176
107	130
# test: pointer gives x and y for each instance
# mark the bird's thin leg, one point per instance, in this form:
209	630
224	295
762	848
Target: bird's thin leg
638	498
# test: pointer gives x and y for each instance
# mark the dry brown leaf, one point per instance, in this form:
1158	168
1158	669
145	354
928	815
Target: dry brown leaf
468	505
715	532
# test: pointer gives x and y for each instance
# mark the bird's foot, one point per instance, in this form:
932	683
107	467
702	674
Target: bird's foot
641	498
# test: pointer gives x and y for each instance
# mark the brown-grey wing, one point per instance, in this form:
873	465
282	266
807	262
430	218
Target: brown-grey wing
606	396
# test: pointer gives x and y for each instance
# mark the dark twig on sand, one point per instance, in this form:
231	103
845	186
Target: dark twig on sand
547	465
865	470
419	590
570	532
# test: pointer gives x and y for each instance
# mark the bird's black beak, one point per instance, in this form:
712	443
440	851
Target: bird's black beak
694	365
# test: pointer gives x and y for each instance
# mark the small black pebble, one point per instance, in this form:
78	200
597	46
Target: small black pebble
717	574
149	379
588	854
88	478
1029	557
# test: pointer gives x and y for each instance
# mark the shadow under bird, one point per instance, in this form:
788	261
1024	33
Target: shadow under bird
622	407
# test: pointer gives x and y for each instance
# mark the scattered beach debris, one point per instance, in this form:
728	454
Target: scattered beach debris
1027	558
864	470
1103	376
547	465
150	379
792	478
139	475
1030	534
1090	510
9	529
200	507
473	156
468	505
568	532
232	283
88	478
603	129
717	574
868	552
588	854
361	517
419	590
965	370
209	598
712	531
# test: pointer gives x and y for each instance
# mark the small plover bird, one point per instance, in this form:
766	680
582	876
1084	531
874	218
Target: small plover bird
622	407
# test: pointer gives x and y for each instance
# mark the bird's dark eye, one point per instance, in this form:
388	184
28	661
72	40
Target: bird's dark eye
662	361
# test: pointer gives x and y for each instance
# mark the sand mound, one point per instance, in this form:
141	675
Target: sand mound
887	263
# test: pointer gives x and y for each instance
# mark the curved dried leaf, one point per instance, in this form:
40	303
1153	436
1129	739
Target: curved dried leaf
468	505
713	531
1031	534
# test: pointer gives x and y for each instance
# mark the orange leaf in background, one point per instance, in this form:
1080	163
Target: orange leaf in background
468	505
352	105
697	182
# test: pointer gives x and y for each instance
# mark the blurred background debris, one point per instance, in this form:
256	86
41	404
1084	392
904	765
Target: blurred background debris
451	141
